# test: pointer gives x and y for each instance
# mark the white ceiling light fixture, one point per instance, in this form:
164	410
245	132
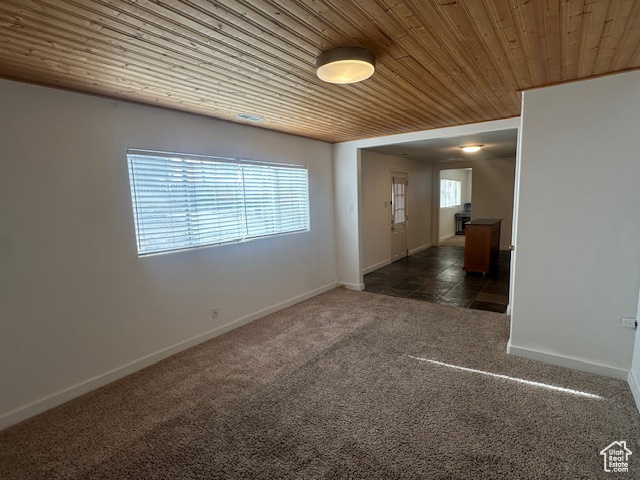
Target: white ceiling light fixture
471	148
345	65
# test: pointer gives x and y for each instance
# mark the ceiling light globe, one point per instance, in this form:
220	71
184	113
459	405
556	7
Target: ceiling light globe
345	65
471	148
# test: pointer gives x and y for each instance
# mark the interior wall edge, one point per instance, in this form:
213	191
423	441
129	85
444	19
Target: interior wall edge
447	237
420	248
568	362
634	385
376	266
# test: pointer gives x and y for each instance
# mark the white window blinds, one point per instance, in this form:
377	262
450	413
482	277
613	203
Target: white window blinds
183	201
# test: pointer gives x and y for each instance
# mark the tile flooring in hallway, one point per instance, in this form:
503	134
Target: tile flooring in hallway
436	275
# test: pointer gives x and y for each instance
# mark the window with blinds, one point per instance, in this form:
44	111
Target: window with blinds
184	201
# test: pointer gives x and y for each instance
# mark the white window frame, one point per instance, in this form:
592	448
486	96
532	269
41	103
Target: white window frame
183	201
450	193
399	215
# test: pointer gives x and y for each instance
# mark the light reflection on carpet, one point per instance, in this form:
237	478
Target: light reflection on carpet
513	379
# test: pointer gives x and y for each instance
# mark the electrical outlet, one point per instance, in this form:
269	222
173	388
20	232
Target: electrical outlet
215	313
628	322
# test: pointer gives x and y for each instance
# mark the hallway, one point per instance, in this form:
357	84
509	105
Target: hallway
436	275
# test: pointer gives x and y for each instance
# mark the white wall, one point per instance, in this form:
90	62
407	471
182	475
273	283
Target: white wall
376	213
76	302
492	192
492	196
448	214
578	269
346	183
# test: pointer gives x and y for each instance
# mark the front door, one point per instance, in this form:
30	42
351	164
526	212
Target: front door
398	216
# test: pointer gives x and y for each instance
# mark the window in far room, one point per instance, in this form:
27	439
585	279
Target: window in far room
450	193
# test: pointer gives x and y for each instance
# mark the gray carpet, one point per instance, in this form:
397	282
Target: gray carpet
345	385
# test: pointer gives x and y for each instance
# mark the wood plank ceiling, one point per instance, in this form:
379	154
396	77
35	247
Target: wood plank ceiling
439	63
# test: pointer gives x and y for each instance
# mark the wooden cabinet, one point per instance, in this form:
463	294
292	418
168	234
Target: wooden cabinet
482	245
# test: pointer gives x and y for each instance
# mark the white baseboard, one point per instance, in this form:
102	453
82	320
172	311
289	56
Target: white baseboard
446	237
38	406
376	266
420	248
353	286
387	261
635	388
568	362
508	312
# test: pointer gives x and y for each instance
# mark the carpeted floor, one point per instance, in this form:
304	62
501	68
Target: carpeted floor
345	385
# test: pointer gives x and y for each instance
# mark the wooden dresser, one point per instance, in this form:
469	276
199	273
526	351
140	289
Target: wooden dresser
482	245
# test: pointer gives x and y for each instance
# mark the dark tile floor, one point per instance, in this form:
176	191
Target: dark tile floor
436	275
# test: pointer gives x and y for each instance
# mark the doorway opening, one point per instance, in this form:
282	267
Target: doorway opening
426	261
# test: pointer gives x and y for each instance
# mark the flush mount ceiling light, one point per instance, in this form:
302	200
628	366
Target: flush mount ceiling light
345	65
471	148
